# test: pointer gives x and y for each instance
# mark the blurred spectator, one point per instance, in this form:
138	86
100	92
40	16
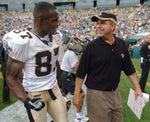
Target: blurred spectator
145	62
77	24
130	50
6	90
3	62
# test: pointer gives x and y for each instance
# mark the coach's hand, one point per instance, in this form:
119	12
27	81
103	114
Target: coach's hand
35	103
76	101
138	92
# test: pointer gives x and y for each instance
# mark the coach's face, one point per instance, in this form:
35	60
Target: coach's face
105	28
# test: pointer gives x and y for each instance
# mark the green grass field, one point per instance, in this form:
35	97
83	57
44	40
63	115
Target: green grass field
124	88
12	98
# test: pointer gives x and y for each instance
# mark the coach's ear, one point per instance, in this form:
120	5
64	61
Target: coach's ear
113	26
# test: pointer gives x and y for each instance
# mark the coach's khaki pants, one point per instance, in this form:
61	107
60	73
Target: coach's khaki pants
104	106
56	108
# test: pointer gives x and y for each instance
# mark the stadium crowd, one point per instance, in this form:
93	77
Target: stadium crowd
77	22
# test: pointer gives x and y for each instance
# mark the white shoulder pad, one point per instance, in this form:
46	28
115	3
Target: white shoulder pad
18	36
59	35
16	44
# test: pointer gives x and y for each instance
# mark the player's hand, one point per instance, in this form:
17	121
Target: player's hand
35	103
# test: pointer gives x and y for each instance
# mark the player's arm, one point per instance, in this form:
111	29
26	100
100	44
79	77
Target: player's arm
13	78
14	69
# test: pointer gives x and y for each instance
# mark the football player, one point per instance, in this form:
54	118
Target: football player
35	52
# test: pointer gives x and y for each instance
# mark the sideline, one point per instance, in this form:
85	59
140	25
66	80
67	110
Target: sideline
17	113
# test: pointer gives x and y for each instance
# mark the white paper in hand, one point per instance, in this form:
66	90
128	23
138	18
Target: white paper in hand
137	105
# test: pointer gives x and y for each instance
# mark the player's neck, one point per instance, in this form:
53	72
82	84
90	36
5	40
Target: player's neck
38	33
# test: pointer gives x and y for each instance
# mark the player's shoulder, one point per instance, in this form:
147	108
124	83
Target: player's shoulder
57	37
58	34
19	37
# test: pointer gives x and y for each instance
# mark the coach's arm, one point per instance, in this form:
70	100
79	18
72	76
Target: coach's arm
76	98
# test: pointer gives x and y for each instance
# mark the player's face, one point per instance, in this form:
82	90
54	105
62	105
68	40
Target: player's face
104	28
52	22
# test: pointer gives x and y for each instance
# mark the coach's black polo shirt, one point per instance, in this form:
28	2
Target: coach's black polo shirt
103	63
